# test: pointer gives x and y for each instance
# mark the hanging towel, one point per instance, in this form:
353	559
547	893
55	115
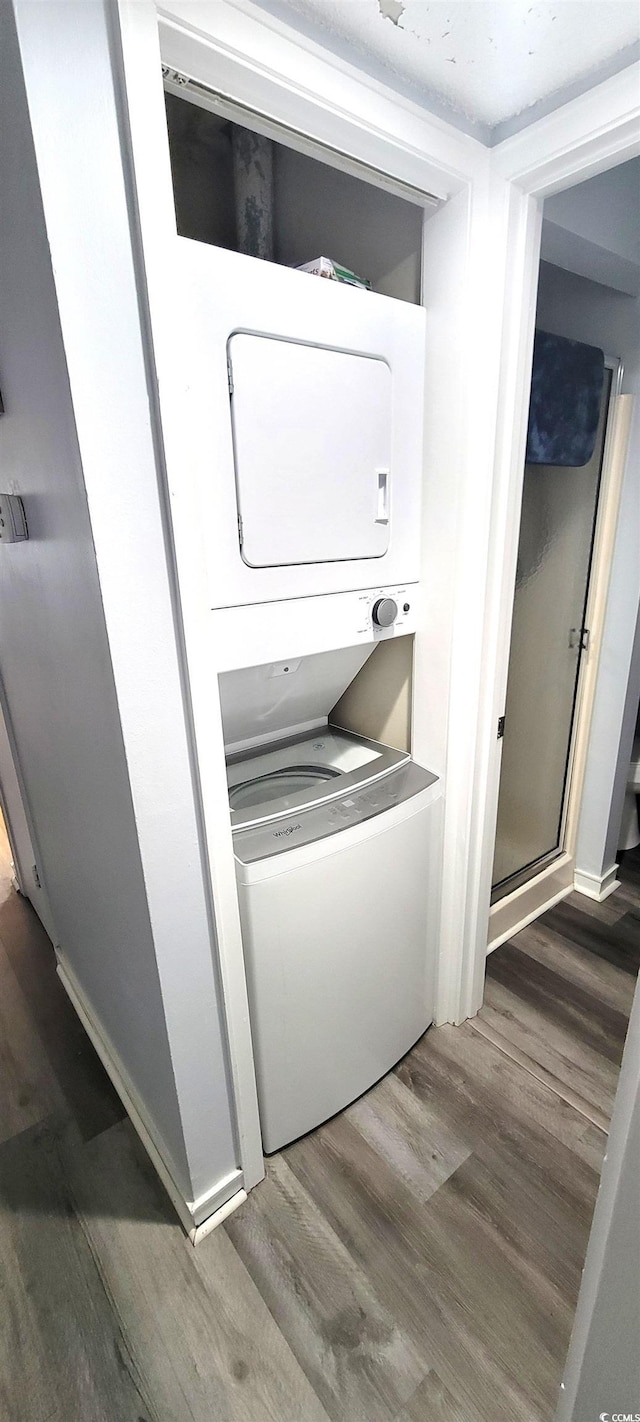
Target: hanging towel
566	391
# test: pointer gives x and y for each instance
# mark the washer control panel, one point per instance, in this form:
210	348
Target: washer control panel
285	631
388	612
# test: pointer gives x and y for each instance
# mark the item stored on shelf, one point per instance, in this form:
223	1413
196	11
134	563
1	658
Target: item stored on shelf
326	267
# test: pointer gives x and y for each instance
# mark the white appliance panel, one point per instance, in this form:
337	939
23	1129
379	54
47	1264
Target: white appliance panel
312	447
251	635
340	959
266	701
228	296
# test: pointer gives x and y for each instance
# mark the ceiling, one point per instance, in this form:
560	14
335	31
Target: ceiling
488	66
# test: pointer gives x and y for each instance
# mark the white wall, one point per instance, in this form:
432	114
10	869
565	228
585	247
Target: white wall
91	660
569	305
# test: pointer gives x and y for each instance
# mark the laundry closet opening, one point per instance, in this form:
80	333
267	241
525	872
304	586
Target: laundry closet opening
302	414
238	189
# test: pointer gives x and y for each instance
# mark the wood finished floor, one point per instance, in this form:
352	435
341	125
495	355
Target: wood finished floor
417	1259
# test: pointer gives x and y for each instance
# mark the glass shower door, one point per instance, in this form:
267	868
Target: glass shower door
559	510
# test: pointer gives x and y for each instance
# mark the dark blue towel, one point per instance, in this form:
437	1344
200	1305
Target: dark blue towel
566	391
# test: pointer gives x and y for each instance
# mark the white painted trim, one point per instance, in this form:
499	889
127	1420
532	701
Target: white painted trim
210	99
586	136
614	459
527	902
515	223
152	200
217	1218
596	886
240	51
528	918
194	1214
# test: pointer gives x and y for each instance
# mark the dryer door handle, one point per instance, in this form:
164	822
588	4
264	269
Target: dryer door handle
382	478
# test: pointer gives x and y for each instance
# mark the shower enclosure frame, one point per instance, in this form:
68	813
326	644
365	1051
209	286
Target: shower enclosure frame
550	878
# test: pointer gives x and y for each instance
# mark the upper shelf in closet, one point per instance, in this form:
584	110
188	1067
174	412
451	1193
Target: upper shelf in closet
317	209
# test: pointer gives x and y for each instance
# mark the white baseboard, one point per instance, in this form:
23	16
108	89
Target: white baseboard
198	1217
218	1217
520	908
528	918
596	886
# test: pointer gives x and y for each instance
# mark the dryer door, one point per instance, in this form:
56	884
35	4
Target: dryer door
312	450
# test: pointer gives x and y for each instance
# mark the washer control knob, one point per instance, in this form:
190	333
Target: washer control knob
384	612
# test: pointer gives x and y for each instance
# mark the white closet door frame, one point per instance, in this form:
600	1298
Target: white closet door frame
261	64
477	428
587	136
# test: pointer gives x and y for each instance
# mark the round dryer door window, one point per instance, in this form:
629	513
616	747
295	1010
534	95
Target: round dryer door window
278	785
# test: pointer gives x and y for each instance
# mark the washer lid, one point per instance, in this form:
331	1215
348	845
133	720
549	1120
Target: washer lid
274	837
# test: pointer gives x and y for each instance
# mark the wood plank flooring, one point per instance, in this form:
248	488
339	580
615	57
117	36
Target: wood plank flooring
559	994
416	1259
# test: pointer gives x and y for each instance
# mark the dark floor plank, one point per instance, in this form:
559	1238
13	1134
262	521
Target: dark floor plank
617	943
29	1090
572	1034
569	1009
609	911
197	1330
63	1353
609	984
72	1060
486	1096
362	1365
547	1189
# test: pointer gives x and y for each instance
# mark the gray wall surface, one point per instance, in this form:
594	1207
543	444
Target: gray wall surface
569	305
594	228
602	1373
321	212
90	661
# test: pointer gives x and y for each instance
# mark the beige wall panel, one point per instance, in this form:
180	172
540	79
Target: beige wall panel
378	701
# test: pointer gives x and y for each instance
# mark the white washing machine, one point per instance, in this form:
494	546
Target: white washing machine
336	845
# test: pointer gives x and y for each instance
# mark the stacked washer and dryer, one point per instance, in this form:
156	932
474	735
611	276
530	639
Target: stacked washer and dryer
309	398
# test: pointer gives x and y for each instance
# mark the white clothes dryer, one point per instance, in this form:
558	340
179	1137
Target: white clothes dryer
302	420
336	846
